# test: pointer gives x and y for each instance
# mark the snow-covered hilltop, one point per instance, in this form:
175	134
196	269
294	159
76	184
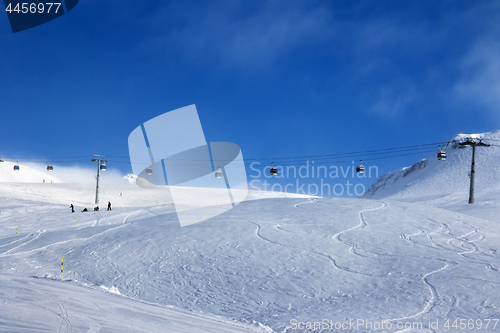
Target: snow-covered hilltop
25	174
431	177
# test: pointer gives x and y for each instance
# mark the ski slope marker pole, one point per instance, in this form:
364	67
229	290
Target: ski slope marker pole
62	269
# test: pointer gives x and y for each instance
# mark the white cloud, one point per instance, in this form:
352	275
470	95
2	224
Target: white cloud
480	76
223	33
394	98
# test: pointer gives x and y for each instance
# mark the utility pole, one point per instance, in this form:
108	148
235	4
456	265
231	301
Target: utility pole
474	143
99	159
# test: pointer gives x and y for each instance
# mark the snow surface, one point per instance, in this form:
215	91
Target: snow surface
257	267
41	305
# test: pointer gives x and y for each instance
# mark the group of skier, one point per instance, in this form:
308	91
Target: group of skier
96	208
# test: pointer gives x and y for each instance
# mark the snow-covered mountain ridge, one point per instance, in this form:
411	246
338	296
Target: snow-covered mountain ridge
432	177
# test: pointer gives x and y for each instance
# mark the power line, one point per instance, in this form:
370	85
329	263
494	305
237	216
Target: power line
385	153
337	158
315	156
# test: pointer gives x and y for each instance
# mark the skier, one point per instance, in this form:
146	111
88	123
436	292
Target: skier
72	208
96	209
84	210
109	205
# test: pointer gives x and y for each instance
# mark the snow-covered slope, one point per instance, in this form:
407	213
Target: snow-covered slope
431	177
120	194
40	305
25	174
271	264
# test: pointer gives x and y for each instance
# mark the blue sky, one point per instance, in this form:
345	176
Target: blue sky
279	78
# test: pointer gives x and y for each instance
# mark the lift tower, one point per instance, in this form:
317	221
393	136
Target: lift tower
474	143
99	159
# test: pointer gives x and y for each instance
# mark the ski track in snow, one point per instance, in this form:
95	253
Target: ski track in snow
430	304
17	240
464	241
361	224
56	243
443	230
39	234
409	237
432	301
325	255
65	326
7	253
306	202
129	215
425	278
330	258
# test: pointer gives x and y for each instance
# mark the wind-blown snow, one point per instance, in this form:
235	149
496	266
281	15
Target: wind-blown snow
130	178
25	174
